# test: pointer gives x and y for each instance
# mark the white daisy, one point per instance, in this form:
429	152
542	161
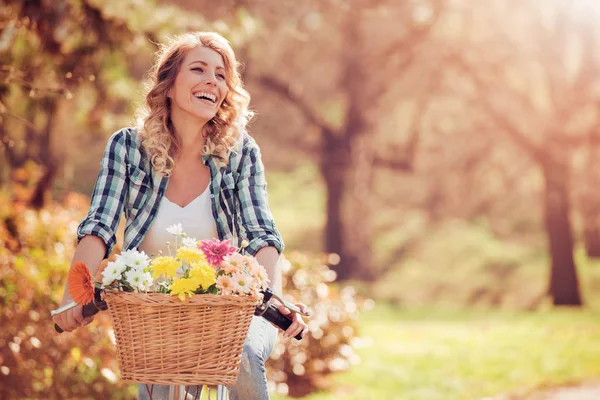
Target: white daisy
241	282
236	259
189	242
139	260
176	230
127	257
147	281
111	273
116	267
136	279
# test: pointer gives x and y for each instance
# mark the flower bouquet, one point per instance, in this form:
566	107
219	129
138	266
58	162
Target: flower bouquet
179	318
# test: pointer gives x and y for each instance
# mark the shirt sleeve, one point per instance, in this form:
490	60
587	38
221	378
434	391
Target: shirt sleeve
251	191
107	201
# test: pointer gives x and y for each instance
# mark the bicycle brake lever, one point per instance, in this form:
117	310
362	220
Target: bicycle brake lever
289	305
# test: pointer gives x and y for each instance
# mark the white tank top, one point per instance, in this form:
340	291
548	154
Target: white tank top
196	218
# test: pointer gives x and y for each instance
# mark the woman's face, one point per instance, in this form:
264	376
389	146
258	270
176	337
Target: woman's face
200	85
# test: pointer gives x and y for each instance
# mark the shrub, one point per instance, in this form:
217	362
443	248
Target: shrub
297	368
35	362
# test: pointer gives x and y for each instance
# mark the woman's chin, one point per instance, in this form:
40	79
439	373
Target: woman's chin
204	116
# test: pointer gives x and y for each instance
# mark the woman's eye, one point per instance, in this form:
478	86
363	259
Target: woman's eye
221	76
198	69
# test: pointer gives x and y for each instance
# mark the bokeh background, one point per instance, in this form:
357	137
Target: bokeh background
433	166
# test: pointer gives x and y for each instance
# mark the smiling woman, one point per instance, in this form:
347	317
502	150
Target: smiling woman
193	58
200	86
189	161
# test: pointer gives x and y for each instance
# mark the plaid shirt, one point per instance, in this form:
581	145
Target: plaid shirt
128	183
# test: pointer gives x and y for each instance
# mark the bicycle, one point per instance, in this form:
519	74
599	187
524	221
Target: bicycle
179	392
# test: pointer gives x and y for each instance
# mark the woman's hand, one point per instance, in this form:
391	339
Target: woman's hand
298	325
71	319
90	250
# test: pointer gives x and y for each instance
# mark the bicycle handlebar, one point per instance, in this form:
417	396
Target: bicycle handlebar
265	310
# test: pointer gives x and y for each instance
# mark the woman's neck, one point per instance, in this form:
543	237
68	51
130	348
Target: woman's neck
191	134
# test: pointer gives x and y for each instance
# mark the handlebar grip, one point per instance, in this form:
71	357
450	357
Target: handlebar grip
87	311
273	315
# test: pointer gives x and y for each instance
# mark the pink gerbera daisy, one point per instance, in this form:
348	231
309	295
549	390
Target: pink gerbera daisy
215	250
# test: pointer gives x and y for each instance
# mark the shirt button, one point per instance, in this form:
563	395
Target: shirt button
218	219
212	196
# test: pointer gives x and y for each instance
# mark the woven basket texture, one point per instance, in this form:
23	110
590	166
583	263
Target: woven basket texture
163	340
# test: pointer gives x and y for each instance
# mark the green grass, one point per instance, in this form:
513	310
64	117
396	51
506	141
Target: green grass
297	200
462	355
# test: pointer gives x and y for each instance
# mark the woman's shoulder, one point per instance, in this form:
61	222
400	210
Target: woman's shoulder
246	144
125	136
244	150
126	141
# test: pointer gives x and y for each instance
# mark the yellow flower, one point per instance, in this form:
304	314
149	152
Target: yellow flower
183	286
190	254
203	274
166	266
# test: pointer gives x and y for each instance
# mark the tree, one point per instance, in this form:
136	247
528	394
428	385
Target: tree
510	77
47	56
345	105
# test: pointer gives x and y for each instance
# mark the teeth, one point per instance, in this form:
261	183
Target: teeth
210	96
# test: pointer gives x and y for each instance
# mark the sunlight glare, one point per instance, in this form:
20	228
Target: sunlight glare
582	9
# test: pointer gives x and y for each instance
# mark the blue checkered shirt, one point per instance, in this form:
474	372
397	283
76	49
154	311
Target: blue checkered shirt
128	184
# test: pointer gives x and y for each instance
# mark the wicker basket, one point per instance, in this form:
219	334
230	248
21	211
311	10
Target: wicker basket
162	340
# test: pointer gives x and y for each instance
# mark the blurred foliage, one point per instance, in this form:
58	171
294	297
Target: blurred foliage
36	362
466	264
299	368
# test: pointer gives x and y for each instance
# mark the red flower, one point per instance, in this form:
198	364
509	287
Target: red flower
81	286
216	251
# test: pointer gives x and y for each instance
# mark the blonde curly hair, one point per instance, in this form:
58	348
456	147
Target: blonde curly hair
154	125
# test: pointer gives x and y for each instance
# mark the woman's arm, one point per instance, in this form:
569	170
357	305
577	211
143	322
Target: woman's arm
90	250
96	234
252	206
268	258
108	198
265	242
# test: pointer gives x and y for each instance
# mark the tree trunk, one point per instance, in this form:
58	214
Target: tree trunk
591	235
346	169
46	158
564	283
591	199
349	231
358	239
335	158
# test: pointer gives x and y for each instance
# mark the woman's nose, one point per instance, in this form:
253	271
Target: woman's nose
211	80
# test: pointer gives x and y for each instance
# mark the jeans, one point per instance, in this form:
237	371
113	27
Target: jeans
251	383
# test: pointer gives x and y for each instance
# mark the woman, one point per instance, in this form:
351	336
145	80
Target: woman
189	161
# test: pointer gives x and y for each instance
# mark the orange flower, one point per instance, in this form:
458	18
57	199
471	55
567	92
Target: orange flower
81	286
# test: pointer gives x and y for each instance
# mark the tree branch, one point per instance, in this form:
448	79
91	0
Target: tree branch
20	119
402	165
285	91
410	150
11	75
407	43
501	120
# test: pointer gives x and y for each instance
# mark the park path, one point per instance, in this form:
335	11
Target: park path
589	391
584	392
